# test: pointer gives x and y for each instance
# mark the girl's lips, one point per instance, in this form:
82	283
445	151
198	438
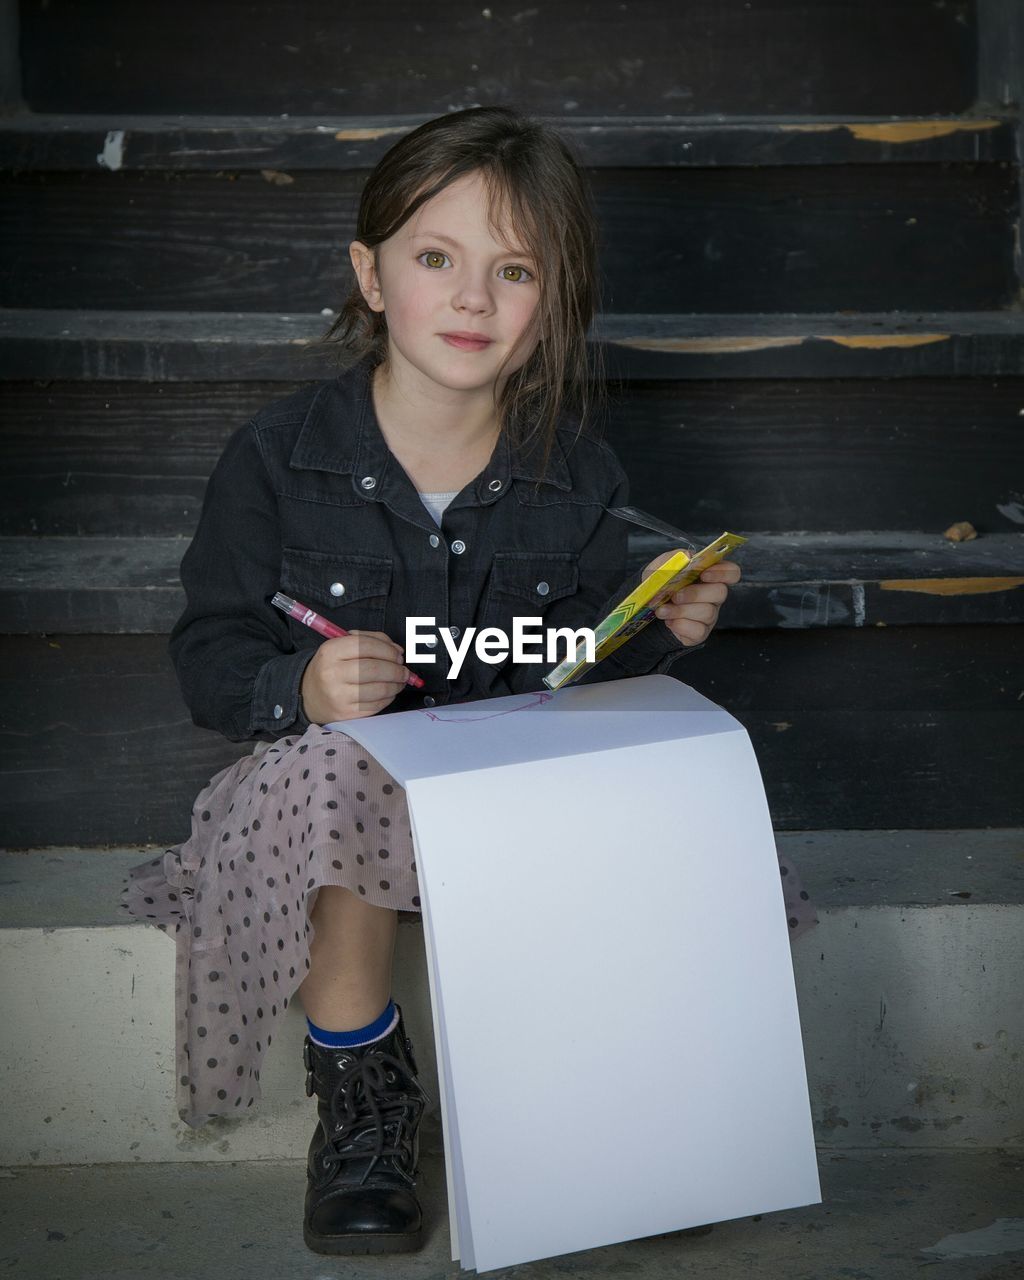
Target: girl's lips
466	344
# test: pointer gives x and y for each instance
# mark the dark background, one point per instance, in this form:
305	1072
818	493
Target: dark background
812	310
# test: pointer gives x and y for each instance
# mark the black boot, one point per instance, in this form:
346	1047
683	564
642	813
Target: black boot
361	1171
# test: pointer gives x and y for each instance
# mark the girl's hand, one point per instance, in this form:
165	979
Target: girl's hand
691	612
352	676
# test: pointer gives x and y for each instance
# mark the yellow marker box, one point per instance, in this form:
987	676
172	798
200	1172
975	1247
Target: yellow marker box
634	612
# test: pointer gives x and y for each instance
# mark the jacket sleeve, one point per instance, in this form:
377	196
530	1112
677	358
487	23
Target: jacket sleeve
235	658
602	584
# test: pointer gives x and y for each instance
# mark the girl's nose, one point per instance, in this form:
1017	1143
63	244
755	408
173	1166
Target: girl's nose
472	292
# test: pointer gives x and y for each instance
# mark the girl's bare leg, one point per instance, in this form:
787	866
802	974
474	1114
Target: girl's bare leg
350	960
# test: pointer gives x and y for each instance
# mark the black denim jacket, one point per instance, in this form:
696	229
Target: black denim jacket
308	499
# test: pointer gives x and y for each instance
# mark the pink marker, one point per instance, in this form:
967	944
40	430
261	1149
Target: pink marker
309	618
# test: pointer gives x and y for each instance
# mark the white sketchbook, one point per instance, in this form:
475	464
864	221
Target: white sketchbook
615	1016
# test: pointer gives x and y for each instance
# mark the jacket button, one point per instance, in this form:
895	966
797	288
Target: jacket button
542	588
455	632
458	546
368	482
429	641
278	711
337	588
494	486
435	541
428	701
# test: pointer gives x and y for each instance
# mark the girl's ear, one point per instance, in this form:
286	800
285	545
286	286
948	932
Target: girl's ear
364	265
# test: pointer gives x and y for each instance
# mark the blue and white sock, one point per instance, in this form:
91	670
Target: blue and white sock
376	1030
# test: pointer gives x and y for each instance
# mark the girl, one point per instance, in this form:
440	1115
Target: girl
475	266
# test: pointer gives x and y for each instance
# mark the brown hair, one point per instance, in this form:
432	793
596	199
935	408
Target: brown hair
534	179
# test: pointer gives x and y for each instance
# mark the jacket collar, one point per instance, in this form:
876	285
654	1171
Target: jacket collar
340	434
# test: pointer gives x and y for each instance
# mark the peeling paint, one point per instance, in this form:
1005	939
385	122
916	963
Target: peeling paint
918	130
961	531
897	130
112	155
368	135
708	344
811	606
876	341
736	345
1004	1235
1012	511
859	607
951	586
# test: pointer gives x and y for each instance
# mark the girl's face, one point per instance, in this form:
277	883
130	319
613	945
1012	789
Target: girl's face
443	276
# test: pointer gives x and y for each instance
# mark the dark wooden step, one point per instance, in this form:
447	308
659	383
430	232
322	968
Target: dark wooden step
830	237
888	727
831	454
127	459
241	144
185	346
68	586
707	56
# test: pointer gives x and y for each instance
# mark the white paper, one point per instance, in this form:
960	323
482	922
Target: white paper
461	1241
614	999
466	736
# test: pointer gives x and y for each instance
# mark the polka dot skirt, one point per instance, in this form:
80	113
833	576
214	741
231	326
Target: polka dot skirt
267	831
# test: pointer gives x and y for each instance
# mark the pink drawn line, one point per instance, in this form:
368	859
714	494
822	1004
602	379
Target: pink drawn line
527	706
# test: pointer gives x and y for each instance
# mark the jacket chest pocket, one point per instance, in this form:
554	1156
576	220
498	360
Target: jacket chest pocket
351	590
525	583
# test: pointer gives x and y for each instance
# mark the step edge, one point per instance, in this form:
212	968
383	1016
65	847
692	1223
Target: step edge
998	858
108	140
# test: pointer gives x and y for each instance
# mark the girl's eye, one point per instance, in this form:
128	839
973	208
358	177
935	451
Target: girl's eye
521	278
435	260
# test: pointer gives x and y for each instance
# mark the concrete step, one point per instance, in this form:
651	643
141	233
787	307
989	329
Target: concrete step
884	1216
909	993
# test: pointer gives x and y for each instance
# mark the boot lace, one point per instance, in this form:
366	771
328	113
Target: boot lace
366	1114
